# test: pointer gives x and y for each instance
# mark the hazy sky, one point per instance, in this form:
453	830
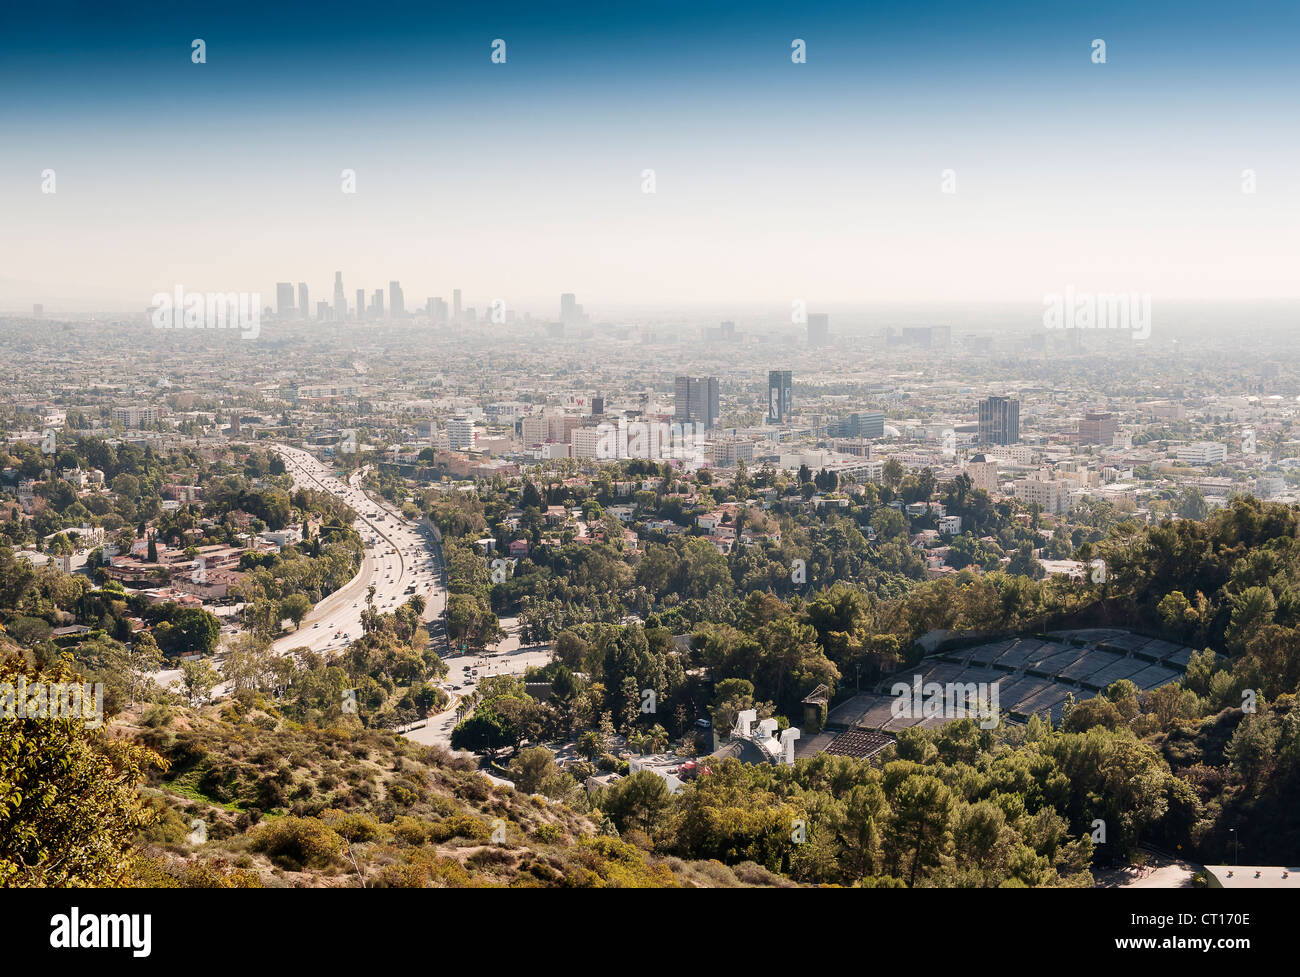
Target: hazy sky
774	180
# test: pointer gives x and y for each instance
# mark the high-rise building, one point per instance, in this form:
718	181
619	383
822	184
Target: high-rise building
340	299
779	405
377	304
304	307
1052	495
819	329
322	311
460	434
983	473
284	299
361	303
696	400
597	405
396	303
1097	427
585	442
999	420
570	310
455	306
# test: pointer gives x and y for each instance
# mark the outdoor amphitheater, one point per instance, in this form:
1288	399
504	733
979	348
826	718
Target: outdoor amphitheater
1033	675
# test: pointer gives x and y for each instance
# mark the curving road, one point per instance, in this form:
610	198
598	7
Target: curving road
401	559
402	555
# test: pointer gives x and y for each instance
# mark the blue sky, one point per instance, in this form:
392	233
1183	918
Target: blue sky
772	179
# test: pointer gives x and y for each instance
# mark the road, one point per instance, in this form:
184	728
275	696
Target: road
507	657
401	559
399	555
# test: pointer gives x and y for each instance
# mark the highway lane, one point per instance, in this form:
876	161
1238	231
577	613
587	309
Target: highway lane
400	560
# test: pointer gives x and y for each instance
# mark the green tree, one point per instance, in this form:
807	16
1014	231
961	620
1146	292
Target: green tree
70	806
295	607
638	801
921	832
198	678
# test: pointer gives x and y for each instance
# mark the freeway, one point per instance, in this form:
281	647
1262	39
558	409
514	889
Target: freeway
398	555
401	559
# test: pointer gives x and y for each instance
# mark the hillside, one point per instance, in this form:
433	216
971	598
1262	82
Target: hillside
286	805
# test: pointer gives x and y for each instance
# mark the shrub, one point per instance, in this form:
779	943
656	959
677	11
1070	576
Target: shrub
548	833
459	826
294	843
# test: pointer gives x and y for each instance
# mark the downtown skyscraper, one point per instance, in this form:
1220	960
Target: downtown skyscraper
999	420
340	299
779	383
284	299
696	399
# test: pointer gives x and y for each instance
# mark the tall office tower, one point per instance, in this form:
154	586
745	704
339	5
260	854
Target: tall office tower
819	329
440	310
568	307
304	307
455	306
322	311
779	405
597	405
396	303
999	420
340	300
696	399
361	303
284	299
377	304
1097	427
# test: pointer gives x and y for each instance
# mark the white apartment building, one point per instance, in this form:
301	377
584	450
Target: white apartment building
1053	496
983	475
538	428
730	452
135	416
1021	454
585	442
460	434
534	429
1202	453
